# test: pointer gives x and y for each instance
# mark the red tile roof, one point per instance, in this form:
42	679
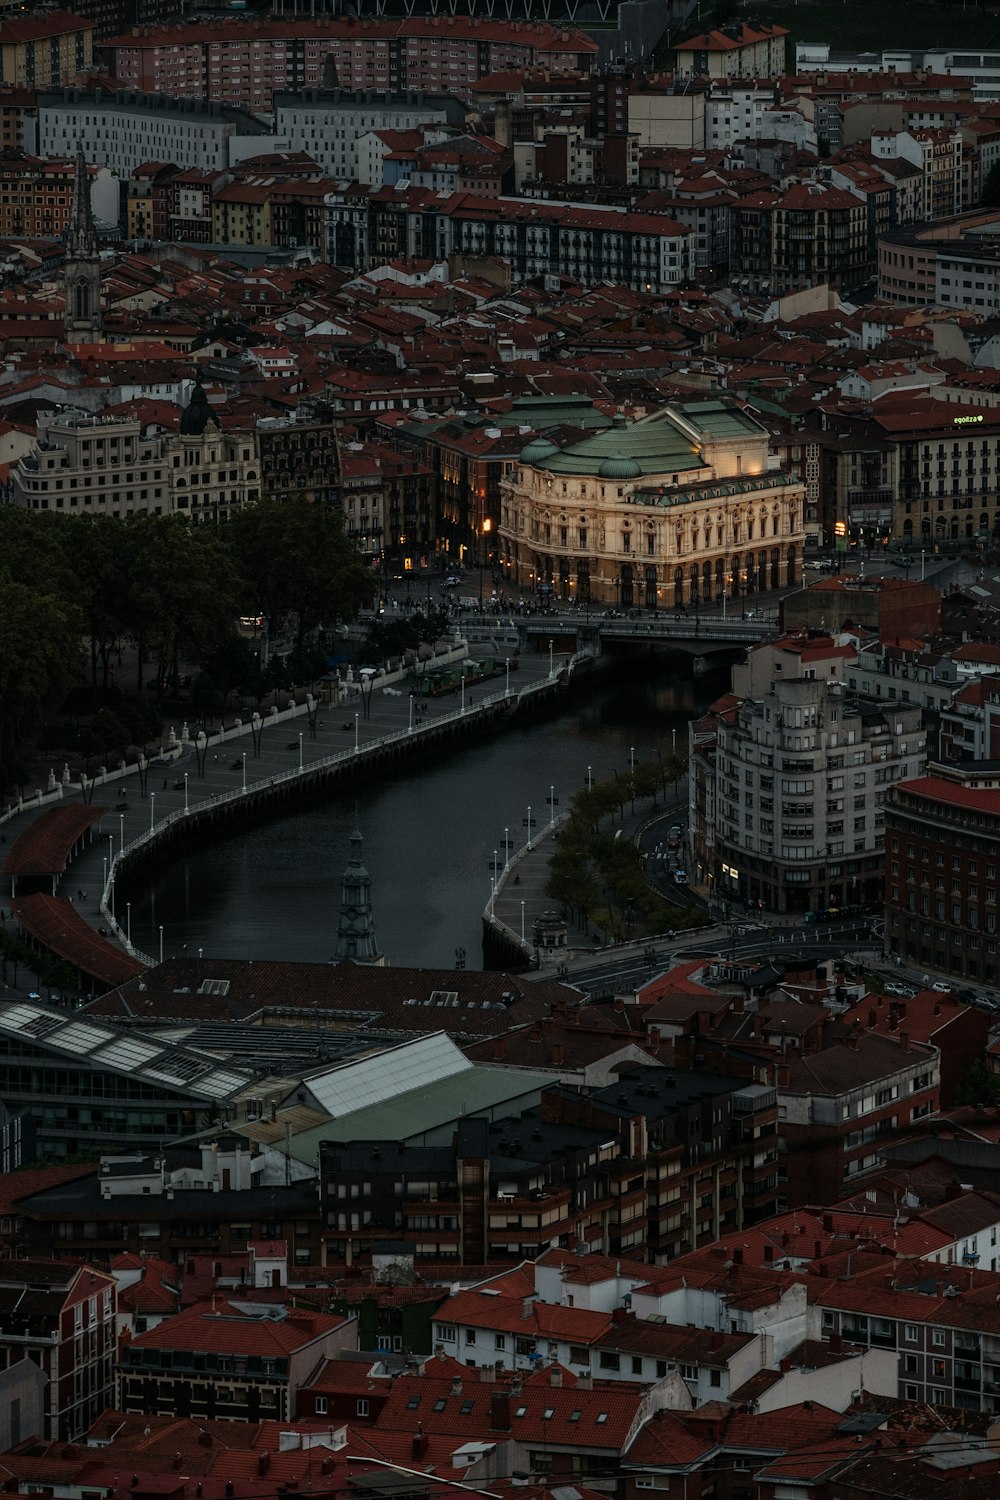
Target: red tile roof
225	1328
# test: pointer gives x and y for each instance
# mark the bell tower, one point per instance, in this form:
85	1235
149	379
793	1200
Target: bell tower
82	274
356	938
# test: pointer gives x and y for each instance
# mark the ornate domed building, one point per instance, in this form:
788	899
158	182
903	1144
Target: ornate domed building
683	506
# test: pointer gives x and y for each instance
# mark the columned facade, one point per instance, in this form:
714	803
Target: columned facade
678	510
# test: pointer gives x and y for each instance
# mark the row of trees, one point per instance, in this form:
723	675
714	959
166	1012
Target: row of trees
597	874
74	588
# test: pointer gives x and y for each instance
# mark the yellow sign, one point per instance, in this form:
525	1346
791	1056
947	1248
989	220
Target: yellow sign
965	421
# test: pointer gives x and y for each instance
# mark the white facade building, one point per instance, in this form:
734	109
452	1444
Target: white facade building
123	130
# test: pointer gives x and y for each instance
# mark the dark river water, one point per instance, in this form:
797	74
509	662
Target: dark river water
272	890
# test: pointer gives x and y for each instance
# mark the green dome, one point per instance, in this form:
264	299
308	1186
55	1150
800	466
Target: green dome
537	451
619	466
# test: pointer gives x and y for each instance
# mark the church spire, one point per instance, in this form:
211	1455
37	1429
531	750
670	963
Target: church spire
82	276
82	236
356	938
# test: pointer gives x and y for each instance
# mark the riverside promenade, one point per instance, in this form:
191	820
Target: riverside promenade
195	783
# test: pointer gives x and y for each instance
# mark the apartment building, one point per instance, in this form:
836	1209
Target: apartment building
837	1105
941	869
738	50
125	129
63	1318
801	776
38	51
807	234
225	1361
685	505
245	61
331	125
658	1161
590	243
937	154
117	467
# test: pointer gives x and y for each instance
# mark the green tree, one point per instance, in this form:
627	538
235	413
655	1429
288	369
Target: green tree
40	656
295	564
980	1086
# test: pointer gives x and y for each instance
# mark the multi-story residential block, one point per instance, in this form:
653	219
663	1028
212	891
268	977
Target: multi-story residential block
258	208
807	234
116	467
836	1106
739	50
801	779
680	507
223	1361
49	48
126	129
214	1199
643	251
332	125
298	455
941	870
36	197
659	1161
246	61
938	156
63	1318
388	500
951	264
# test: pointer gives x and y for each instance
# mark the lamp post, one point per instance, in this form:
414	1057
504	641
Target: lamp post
244	770
409	727
161	942
356	717
121	832
300	752
528	825
506	847
923	563
152	809
185	791
128	923
367	688
551	643
631	759
522	921
590	780
507	688
463	693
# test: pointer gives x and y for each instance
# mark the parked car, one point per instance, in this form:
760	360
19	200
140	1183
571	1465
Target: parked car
942	988
899	989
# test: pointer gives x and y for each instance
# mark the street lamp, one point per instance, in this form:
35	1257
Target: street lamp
463	693
522	921
506	847
356	717
121	832
185	791
507	688
244	770
152	809
550	655
161	942
528	824
485	529
631	759
128	922
409	727
300	752
590	780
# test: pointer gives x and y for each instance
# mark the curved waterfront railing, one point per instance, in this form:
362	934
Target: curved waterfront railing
301	776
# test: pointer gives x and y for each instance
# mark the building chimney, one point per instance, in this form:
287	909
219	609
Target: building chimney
419	1443
555	1376
737	1256
500	1411
904	1041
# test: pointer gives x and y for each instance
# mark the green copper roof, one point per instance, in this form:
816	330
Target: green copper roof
655	444
619	466
537	451
542	412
